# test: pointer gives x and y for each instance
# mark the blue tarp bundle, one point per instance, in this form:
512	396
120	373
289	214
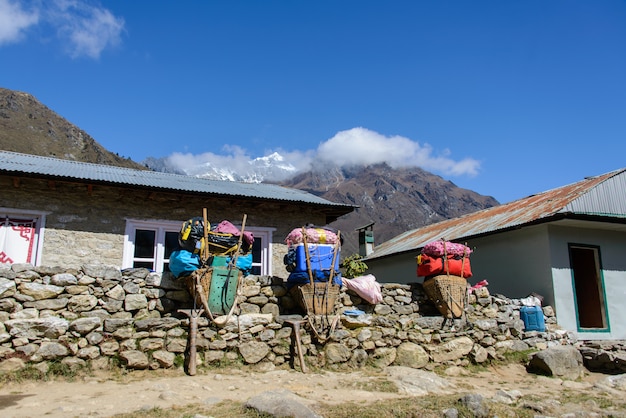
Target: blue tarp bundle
183	262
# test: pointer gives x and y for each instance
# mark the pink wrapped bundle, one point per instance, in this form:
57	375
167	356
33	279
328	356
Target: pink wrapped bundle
441	247
366	287
313	236
225	227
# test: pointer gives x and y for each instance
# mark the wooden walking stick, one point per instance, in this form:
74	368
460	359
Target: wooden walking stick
332	268
307	256
295	325
193	315
204	255
233	261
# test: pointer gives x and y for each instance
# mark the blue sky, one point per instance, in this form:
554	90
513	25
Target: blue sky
506	98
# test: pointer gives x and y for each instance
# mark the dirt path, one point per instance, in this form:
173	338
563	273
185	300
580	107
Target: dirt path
103	395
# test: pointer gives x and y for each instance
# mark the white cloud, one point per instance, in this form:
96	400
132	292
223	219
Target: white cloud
88	28
84	26
301	160
356	146
234	158
14	21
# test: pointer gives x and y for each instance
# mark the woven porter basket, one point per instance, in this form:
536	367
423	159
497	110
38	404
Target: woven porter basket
201	276
317	298
448	293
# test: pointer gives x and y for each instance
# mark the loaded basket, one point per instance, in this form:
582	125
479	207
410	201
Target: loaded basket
216	284
318	298
446	286
215	289
448	293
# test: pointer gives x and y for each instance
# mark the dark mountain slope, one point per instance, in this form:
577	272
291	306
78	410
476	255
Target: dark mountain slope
396	200
29	127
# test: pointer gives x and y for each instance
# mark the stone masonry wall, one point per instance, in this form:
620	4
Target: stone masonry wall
80	217
103	317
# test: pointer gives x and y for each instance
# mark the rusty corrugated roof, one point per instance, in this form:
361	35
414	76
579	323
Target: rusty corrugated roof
577	198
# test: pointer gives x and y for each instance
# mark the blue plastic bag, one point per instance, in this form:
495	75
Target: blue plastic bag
183	262
244	263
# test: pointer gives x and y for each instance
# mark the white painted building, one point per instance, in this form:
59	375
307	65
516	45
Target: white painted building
567	244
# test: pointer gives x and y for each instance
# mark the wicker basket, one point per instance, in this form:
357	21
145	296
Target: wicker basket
448	293
318	298
215	288
204	275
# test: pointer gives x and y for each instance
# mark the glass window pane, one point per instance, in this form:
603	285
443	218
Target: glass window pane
144	243
144	264
256	250
171	243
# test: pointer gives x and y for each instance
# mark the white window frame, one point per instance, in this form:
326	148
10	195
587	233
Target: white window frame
163	226
40	221
265	235
160	227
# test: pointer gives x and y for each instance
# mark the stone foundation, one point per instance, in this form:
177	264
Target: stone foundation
104	317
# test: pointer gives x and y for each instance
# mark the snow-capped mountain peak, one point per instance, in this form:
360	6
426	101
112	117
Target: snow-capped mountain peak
272	167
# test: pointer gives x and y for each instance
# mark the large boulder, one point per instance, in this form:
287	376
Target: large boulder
564	362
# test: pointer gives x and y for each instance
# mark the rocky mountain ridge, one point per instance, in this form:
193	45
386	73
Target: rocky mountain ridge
29	127
394	199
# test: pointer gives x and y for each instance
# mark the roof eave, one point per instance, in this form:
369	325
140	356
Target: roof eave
548	219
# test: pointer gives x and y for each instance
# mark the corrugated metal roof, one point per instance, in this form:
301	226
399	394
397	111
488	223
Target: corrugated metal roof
600	196
13	163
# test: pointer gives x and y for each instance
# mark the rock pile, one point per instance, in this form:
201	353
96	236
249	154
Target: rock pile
103	316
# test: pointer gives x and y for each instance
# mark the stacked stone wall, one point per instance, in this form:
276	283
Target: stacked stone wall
101	317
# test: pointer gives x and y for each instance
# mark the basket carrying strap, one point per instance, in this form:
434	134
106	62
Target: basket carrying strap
307	256
321	338
199	290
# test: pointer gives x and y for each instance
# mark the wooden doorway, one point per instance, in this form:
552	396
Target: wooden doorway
588	286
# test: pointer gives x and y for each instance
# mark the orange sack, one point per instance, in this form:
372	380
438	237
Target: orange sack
454	265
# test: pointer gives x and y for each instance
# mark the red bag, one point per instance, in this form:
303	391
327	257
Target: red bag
456	266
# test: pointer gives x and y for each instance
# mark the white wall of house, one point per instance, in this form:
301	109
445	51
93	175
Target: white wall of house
401	268
515	263
612	251
512	263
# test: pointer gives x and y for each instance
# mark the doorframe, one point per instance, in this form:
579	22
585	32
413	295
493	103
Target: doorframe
602	303
40	226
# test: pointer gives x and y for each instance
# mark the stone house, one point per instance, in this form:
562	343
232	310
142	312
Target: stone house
566	244
66	213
